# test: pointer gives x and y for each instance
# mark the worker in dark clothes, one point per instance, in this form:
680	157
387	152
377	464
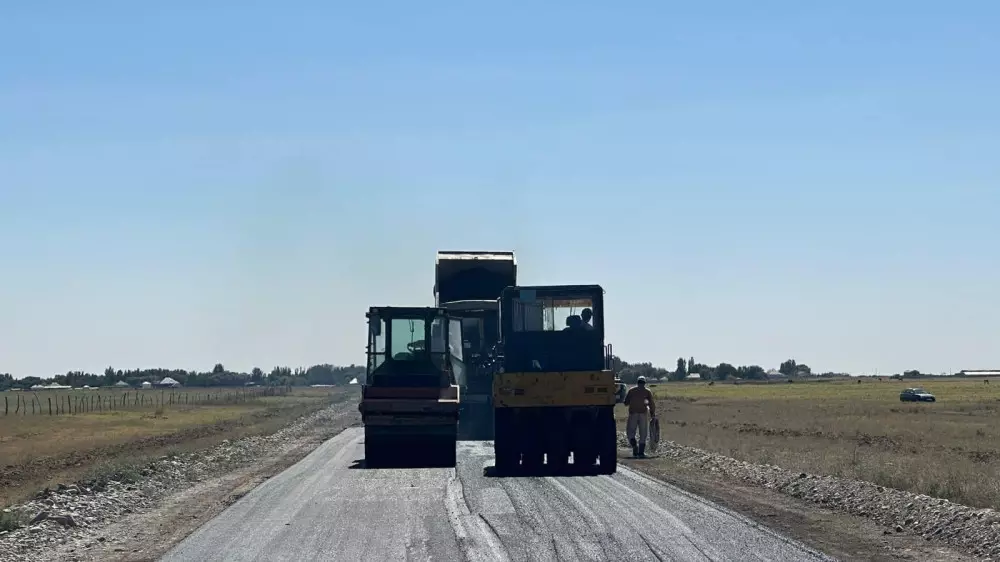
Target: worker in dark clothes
641	407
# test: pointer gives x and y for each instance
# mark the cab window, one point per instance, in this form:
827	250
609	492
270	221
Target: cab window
550	314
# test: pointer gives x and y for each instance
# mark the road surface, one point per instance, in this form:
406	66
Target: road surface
329	507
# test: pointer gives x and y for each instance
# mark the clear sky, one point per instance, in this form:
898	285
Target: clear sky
184	183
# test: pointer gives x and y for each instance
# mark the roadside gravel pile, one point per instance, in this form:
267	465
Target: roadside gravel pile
976	530
76	512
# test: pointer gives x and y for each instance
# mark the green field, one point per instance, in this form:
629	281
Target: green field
947	449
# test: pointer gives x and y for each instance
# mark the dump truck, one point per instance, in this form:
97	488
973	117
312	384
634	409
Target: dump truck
468	285
554	394
411	393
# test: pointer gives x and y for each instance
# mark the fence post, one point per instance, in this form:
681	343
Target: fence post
50	405
6	406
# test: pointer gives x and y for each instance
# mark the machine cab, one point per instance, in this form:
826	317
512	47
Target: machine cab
413	347
554	328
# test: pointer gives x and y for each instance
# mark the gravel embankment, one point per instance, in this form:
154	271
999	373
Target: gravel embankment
76	513
975	530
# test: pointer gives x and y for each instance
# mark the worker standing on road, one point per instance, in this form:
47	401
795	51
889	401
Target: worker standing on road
638	416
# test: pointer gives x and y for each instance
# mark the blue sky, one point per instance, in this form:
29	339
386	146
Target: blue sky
183	184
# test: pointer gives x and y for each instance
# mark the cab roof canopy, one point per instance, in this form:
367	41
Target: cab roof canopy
559	290
561	296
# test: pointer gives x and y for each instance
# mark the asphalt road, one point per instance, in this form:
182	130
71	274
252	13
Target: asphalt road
328	507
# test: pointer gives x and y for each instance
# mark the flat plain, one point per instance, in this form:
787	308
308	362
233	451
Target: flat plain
100	431
947	449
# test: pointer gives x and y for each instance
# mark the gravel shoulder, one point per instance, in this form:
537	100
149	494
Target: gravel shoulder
849	520
141	520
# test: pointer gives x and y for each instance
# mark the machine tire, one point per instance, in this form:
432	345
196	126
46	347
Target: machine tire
448	454
583	434
608	448
557	442
533	459
557	455
506	455
375	451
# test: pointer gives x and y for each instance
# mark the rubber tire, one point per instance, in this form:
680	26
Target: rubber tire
608	447
582	432
557	441
506	455
448	455
557	453
375	452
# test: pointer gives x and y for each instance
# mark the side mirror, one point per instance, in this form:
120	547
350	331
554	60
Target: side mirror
375	325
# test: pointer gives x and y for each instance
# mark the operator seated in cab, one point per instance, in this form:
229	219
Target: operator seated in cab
573	323
583	321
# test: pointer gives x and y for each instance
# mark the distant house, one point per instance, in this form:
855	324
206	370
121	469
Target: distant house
51	386
774	374
147	384
120	384
168	383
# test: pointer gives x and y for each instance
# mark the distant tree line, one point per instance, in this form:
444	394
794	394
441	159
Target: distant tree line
338	375
684	370
218	376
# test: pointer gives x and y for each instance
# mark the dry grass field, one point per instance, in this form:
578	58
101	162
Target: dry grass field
948	449
40	450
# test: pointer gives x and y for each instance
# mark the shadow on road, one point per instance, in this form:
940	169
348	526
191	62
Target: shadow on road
362	464
544	470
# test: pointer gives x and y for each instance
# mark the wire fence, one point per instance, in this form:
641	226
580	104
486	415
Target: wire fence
62	403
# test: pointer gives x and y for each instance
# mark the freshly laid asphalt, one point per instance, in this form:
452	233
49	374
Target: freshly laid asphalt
330	507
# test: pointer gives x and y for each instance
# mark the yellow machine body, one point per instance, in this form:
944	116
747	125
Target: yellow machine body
571	388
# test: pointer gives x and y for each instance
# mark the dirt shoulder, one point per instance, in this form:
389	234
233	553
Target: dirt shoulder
142	520
843	536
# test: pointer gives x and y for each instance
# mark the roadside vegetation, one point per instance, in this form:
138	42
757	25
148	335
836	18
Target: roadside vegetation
95	444
855	428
